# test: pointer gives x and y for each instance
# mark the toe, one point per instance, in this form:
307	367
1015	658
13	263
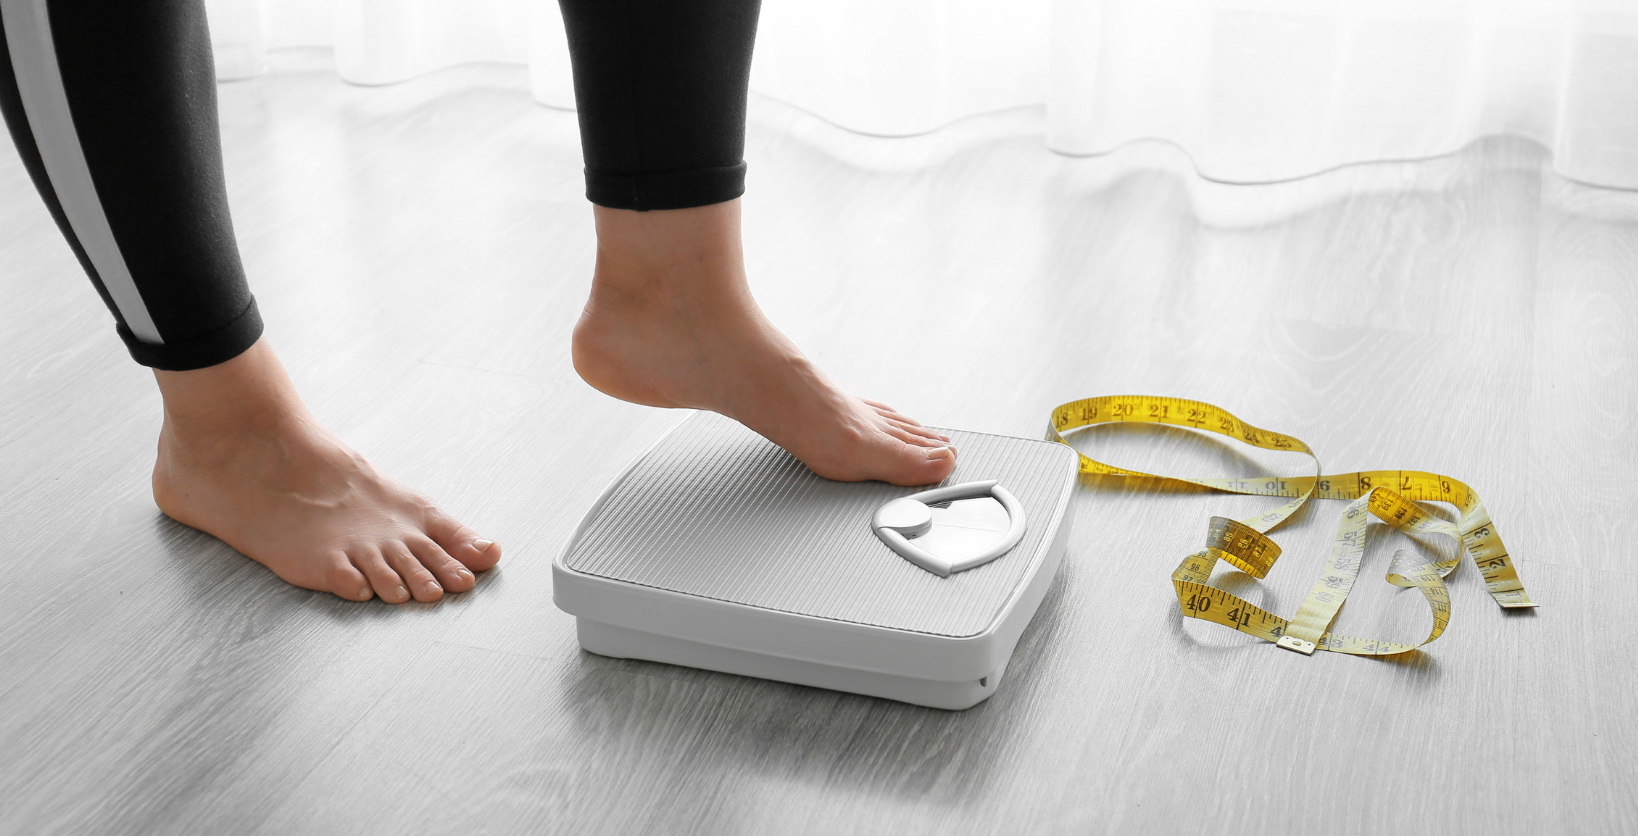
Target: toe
344	579
890	413
922	465
895	417
462	543
908	436
880	407
450	573
420	582
382	578
923	436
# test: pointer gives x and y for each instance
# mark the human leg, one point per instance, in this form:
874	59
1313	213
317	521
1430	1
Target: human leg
661	90
112	108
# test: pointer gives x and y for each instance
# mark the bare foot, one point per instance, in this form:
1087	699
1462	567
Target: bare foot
240	457
671	323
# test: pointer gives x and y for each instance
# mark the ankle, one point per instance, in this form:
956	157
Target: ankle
250	393
668	258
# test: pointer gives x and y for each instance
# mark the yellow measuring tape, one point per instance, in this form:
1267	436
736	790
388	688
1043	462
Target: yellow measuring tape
1389	495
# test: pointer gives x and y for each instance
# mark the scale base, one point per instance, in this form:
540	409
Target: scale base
625	643
717	550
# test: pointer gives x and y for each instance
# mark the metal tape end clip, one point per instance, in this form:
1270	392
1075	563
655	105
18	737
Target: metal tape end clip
1306	648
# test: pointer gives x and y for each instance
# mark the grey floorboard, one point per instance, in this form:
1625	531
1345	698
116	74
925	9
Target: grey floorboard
421	252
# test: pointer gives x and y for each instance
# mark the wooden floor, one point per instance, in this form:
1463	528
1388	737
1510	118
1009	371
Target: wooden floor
420	253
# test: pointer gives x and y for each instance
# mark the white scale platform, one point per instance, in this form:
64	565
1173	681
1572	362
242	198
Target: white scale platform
718	550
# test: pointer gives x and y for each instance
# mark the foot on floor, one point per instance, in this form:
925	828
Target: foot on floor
671	323
241	458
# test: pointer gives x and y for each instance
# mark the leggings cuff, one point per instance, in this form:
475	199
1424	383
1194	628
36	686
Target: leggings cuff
668	190
218	346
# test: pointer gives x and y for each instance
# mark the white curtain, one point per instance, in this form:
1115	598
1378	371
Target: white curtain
1252	90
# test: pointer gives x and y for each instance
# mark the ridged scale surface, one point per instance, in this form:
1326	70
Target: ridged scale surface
717	511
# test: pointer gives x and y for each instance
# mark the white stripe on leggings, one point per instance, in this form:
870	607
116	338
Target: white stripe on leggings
40	80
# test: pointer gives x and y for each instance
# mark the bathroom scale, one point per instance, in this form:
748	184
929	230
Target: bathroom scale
718	550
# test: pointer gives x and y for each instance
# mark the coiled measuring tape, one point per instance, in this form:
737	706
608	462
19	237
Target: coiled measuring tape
1388	495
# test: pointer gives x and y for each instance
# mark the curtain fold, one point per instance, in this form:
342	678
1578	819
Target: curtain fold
1253	90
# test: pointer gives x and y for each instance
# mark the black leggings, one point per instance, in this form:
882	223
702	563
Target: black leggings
112	106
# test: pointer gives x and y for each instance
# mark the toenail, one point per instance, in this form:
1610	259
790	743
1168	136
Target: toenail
400	592
464	572
940	453
482	545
